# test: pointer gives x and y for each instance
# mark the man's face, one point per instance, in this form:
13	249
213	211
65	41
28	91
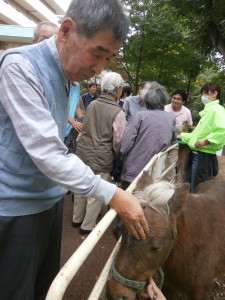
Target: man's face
177	102
45	32
92	90
83	57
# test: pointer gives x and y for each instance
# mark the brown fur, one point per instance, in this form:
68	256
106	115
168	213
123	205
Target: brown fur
198	251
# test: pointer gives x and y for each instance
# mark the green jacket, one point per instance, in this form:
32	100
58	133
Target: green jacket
211	126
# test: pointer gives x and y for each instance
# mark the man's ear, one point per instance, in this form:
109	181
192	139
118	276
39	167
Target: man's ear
67	27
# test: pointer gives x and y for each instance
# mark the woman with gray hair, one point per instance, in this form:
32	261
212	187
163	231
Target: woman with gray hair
99	142
147	133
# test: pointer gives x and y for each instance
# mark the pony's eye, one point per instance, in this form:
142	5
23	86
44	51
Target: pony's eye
156	249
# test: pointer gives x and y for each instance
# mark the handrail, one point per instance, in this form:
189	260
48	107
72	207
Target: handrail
71	267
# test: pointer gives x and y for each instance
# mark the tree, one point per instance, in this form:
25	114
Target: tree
158	47
205	19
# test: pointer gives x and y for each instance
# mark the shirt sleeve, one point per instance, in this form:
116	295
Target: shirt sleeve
190	122
118	130
217	134
23	99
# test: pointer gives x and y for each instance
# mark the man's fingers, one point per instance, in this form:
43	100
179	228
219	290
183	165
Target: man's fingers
131	228
136	229
140	231
129	209
144	225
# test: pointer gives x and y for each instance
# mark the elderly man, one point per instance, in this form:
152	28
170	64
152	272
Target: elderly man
44	30
33	113
134	104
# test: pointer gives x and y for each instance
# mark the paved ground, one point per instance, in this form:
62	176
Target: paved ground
82	284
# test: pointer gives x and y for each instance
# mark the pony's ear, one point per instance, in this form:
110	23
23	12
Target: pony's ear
143	181
179	198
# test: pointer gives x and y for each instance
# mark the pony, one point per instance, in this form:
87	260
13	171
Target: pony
186	238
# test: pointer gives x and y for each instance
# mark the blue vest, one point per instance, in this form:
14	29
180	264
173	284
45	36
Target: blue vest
24	189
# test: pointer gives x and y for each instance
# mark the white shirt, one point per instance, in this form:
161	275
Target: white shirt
183	116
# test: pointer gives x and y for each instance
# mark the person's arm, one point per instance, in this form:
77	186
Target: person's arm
75	124
217	133
215	121
189	120
22	97
174	136
81	106
118	130
185	137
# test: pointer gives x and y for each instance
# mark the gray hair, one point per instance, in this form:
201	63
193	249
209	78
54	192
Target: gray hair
156	97
92	16
39	25
157	196
110	82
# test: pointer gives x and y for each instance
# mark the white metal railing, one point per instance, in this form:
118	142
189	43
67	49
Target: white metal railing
156	168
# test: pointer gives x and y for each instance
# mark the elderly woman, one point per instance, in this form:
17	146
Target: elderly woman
148	133
99	141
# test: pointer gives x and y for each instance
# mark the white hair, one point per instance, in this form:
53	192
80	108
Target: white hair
157	196
111	81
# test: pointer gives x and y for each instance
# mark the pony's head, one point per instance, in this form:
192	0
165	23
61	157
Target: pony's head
137	260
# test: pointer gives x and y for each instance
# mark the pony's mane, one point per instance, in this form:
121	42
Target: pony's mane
157	196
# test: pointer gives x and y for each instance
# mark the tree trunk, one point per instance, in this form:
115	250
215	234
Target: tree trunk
216	37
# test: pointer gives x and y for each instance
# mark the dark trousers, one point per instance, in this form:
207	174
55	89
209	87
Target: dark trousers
117	168
199	166
29	254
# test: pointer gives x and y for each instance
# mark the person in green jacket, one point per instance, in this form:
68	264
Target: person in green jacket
206	139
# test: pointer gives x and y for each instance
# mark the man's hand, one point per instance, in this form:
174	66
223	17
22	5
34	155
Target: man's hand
131	213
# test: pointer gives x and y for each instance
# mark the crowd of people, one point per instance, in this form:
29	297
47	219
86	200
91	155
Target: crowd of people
53	140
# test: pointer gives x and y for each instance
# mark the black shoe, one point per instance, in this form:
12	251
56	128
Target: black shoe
84	232
75	225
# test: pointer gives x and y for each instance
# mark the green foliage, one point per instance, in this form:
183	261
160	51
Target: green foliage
206	21
175	42
158	47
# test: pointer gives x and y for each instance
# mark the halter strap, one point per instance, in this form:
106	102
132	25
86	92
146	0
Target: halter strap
139	285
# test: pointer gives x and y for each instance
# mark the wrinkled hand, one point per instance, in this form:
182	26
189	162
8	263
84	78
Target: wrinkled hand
131	213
